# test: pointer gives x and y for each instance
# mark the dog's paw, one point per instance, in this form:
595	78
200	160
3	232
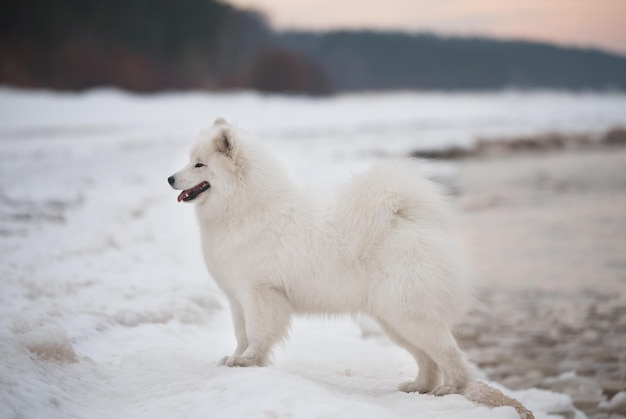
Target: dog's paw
414	387
444	390
222	362
243	361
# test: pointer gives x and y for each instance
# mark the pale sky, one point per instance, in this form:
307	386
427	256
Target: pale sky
595	23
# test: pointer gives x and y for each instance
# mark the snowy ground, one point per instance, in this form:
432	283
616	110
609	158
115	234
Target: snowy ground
106	309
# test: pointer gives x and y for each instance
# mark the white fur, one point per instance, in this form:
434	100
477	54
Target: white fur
382	247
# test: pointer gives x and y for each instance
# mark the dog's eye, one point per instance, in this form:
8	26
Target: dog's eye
199	165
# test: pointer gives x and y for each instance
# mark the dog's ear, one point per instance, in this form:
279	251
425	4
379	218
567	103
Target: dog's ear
224	143
220	121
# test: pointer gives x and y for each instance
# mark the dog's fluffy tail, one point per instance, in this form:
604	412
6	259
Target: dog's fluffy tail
389	196
393	215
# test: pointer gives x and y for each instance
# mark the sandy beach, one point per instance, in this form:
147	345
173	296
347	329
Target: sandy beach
546	235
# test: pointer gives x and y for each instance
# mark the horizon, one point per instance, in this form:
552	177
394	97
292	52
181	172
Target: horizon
599	25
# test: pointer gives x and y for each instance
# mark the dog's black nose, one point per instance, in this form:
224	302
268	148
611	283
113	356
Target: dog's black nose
171	180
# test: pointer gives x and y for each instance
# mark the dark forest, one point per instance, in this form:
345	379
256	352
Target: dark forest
150	45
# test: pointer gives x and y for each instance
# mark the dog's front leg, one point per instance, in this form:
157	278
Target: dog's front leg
240	331
267	315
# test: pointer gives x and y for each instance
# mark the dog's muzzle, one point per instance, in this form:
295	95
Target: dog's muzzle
192	193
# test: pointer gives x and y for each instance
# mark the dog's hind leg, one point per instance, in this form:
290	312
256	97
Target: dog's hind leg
428	376
267	314
455	371
437	344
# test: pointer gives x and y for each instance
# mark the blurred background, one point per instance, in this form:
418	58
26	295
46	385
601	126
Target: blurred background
517	108
313	47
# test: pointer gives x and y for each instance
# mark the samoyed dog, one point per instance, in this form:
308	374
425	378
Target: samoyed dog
382	247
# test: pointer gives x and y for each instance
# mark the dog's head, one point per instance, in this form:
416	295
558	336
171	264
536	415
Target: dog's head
212	159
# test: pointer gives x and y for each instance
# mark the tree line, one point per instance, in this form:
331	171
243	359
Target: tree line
148	45
361	60
139	45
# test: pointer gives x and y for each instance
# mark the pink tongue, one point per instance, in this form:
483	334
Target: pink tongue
182	195
193	191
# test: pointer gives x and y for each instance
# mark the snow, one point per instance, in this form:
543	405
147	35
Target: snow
106	309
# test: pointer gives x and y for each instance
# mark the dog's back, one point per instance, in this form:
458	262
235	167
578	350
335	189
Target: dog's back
396	226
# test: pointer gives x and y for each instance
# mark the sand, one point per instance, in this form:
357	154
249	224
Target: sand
546	236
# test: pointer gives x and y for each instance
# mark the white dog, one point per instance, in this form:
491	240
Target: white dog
383	247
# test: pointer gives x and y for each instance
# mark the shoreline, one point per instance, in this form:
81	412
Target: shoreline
507	146
546	234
